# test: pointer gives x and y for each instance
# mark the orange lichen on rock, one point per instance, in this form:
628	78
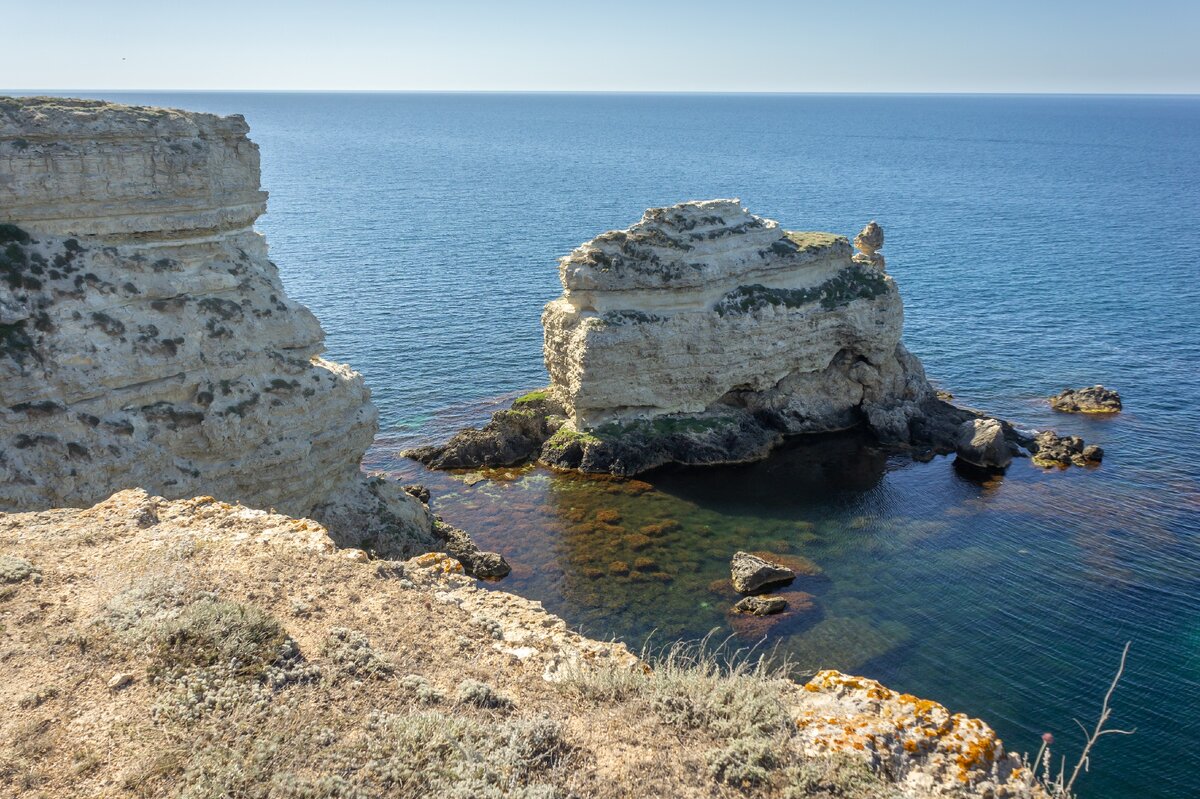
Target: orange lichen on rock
838	713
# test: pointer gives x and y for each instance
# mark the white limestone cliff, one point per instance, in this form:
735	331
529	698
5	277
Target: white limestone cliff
146	339
704	307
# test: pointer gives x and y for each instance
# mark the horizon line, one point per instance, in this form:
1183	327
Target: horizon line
699	92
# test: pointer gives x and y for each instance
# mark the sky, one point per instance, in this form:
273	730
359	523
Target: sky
1101	46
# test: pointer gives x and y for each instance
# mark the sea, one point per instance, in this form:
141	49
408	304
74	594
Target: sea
1039	242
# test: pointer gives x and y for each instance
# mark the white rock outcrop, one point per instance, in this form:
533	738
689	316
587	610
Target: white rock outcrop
703	306
705	334
146	339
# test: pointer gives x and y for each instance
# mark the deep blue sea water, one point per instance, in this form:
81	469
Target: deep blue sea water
1039	243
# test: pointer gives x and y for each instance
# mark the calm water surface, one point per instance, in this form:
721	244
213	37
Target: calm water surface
1039	243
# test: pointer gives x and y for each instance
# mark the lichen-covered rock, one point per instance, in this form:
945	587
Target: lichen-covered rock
982	443
1093	399
752	573
927	750
146	339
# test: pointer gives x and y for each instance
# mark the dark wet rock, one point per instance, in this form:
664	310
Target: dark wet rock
512	436
639	446
760	605
475	562
982	443
751	573
418	491
1093	399
1051	449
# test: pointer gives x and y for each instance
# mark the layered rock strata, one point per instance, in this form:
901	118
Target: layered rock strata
705	334
146	339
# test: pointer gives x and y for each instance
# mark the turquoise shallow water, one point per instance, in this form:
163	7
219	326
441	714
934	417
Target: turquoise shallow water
1039	243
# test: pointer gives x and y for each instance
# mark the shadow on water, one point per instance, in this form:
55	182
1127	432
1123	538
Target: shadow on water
804	471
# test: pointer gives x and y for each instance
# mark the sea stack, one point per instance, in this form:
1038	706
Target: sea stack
146	340
705	334
704	307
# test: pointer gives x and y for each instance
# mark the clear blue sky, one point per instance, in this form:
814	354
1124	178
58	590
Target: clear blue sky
506	45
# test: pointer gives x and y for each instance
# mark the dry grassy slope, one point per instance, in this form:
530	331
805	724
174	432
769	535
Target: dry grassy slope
197	649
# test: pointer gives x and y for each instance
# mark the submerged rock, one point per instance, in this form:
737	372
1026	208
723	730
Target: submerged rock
1093	399
760	605
751	573
982	443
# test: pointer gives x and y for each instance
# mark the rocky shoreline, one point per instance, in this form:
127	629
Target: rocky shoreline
202	593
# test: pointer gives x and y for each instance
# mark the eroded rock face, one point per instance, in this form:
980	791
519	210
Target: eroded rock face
1093	399
146	339
704	306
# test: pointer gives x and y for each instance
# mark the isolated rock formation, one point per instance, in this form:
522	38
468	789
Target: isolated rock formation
869	241
706	334
146	339
1093	399
703	306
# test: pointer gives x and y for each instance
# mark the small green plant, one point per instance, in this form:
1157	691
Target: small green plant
532	396
426	693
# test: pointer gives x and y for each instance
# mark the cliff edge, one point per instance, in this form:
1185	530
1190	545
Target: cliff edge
194	648
146	339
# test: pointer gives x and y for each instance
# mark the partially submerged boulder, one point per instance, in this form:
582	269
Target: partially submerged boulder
512	436
1093	399
983	444
751	573
1051	449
